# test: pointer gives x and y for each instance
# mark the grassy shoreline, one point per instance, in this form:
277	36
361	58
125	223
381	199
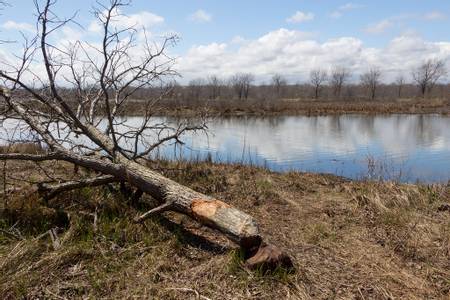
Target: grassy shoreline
348	239
280	107
290	107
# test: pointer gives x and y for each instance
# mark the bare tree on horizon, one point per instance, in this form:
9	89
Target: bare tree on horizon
278	84
400	82
427	74
317	78
338	78
215	86
371	80
195	88
241	83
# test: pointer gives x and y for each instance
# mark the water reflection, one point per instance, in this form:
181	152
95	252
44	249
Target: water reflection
413	147
402	147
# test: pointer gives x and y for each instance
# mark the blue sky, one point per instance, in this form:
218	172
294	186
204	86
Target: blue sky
223	30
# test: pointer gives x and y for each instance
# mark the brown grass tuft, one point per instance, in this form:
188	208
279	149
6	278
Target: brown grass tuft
26	148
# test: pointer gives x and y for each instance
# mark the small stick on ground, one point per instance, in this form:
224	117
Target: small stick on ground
157	210
55	239
197	294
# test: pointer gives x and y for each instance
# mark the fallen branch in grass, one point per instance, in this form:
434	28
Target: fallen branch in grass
50	191
157	210
188	290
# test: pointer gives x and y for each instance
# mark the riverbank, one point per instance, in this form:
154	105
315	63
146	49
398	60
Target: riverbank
276	107
225	107
348	239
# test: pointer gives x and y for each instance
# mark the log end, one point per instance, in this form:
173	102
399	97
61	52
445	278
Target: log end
268	258
243	229
239	226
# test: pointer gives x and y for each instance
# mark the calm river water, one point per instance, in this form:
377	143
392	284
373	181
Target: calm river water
408	148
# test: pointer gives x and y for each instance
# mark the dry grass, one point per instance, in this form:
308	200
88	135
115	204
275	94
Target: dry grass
349	240
227	107
297	106
30	148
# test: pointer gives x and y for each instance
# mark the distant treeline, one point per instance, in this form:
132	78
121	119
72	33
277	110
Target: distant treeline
337	84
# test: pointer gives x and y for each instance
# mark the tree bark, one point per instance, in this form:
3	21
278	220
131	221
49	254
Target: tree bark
237	225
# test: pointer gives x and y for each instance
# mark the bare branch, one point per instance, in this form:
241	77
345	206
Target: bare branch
52	190
157	210
30	157
339	76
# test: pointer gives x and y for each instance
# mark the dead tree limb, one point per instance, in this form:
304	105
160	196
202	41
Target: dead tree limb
82	126
52	190
154	211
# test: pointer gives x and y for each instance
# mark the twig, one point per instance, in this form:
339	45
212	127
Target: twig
10	234
95	220
55	295
41	236
154	211
197	294
55	239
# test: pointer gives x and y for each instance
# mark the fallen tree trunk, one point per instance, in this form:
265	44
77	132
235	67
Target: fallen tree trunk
237	225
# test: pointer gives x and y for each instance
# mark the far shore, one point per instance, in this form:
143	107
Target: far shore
290	107
279	107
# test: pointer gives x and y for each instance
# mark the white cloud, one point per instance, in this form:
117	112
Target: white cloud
12	25
434	16
237	40
349	6
336	14
295	53
71	34
200	16
379	27
300	17
143	19
292	53
341	10
399	20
